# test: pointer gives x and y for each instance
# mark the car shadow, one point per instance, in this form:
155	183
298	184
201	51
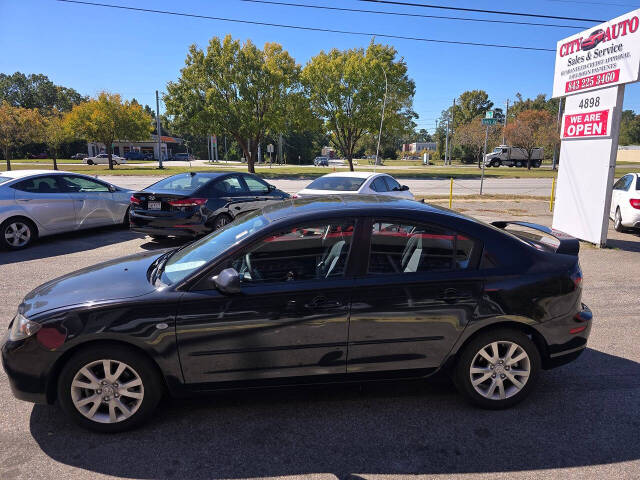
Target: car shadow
632	244
70	242
580	415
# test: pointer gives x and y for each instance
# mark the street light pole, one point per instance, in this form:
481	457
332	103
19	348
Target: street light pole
384	102
158	131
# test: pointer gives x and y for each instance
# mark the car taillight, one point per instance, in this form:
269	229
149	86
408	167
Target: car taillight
294	196
134	200
635	203
187	202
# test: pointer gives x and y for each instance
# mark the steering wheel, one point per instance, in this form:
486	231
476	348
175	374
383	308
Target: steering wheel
255	275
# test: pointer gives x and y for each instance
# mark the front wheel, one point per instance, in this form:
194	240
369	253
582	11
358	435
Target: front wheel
109	388
89	162
518	164
498	368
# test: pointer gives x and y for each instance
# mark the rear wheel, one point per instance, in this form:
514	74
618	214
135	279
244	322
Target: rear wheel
109	388
498	368
17	233
617	221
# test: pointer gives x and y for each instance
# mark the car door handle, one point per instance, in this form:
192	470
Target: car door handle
450	295
321	303
23	200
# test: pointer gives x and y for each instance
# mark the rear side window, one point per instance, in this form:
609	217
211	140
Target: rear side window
379	185
411	248
339	184
255	185
39	185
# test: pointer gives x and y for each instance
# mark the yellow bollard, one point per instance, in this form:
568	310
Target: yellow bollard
450	192
553	191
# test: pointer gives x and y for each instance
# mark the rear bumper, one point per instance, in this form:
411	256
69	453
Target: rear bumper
566	337
168	226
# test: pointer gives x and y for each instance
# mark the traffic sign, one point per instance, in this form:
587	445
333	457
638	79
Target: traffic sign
489	121
270	148
488	114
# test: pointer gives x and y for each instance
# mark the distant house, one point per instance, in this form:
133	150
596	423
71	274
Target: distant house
328	152
417	147
120	147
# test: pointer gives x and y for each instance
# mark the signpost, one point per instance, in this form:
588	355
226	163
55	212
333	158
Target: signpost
591	70
270	150
487	120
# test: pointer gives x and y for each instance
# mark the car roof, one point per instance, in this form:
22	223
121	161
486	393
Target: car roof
352	174
27	173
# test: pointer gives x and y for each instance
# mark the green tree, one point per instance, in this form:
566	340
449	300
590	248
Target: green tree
56	133
538	103
532	129
37	91
471	137
346	90
470	105
18	126
107	118
629	128
234	89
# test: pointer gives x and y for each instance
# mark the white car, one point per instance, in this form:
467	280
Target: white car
625	202
355	183
103	159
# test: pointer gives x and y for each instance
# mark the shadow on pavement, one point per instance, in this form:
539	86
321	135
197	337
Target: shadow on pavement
632	244
71	242
582	414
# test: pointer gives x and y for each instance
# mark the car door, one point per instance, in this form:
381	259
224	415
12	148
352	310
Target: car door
93	201
45	201
414	297
260	190
290	319
232	190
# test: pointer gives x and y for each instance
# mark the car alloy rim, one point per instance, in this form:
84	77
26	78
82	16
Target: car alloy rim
222	221
107	391
618	218
17	234
500	370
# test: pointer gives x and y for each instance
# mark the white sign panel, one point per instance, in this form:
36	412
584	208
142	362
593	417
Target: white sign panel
603	56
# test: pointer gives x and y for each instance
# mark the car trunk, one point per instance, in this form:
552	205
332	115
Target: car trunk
157	203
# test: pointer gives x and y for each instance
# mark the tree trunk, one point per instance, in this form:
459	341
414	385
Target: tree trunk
6	157
529	161
350	160
109	153
55	163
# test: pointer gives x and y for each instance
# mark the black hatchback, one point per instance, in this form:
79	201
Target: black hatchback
196	203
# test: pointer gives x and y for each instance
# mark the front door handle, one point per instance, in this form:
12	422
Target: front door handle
450	295
322	303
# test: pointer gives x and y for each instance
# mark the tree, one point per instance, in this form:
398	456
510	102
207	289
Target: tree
470	105
37	91
532	129
56	133
629	128
234	89
471	136
346	90
18	126
538	103
106	119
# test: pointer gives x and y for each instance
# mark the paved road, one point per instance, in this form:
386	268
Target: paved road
582	422
516	186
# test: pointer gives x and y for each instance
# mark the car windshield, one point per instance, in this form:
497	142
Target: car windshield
340	184
183	182
191	258
497	150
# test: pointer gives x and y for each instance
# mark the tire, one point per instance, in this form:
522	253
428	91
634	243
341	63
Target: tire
106	414
90	162
537	164
496	163
17	233
485	394
617	221
518	164
221	220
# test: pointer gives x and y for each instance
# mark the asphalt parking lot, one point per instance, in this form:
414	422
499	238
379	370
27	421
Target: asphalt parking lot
583	420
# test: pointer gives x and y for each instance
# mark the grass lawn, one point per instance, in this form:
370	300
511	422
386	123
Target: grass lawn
305	172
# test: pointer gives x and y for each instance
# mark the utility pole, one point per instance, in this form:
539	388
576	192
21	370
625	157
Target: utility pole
384	102
486	135
280	158
453	113
214	139
555	149
446	142
505	121
158	131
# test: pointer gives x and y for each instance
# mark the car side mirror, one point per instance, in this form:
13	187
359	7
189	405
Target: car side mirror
112	189
404	188
270	187
227	281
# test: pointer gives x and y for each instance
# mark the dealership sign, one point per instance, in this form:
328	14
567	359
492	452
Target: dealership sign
591	124
605	55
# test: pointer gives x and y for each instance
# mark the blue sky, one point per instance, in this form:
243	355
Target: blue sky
91	48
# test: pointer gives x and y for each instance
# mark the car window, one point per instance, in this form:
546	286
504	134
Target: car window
310	252
410	248
637	182
391	183
72	183
5	179
228	186
255	185
379	185
628	182
183	182
39	185
339	184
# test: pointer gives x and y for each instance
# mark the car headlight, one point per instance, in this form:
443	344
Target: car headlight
22	328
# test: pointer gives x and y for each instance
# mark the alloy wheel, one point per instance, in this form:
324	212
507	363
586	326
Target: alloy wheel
107	391
17	234
617	223
500	370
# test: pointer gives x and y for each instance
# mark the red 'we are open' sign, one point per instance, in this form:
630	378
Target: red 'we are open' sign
591	124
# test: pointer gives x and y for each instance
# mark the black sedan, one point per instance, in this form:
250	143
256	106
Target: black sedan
196	203
334	290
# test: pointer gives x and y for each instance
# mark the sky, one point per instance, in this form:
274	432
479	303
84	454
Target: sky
92	48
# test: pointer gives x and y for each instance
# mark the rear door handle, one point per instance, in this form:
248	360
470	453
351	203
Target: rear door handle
450	295
321	303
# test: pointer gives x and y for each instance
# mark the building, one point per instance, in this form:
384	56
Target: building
417	147
120	147
629	153
328	152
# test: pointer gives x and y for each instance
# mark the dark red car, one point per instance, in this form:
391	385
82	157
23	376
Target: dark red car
593	40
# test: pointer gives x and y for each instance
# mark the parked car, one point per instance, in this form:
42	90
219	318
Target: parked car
38	155
279	296
196	203
185	157
134	155
148	156
79	156
355	183
321	161
625	202
37	203
103	158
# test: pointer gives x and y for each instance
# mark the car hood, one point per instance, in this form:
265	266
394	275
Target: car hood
116	279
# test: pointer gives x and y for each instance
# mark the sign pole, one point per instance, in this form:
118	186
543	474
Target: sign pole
484	152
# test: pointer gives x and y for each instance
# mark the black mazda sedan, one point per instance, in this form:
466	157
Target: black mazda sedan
196	203
332	290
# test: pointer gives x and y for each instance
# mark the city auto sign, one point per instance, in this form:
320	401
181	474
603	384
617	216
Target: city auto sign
603	56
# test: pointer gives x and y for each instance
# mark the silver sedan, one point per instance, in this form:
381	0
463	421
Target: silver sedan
36	203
